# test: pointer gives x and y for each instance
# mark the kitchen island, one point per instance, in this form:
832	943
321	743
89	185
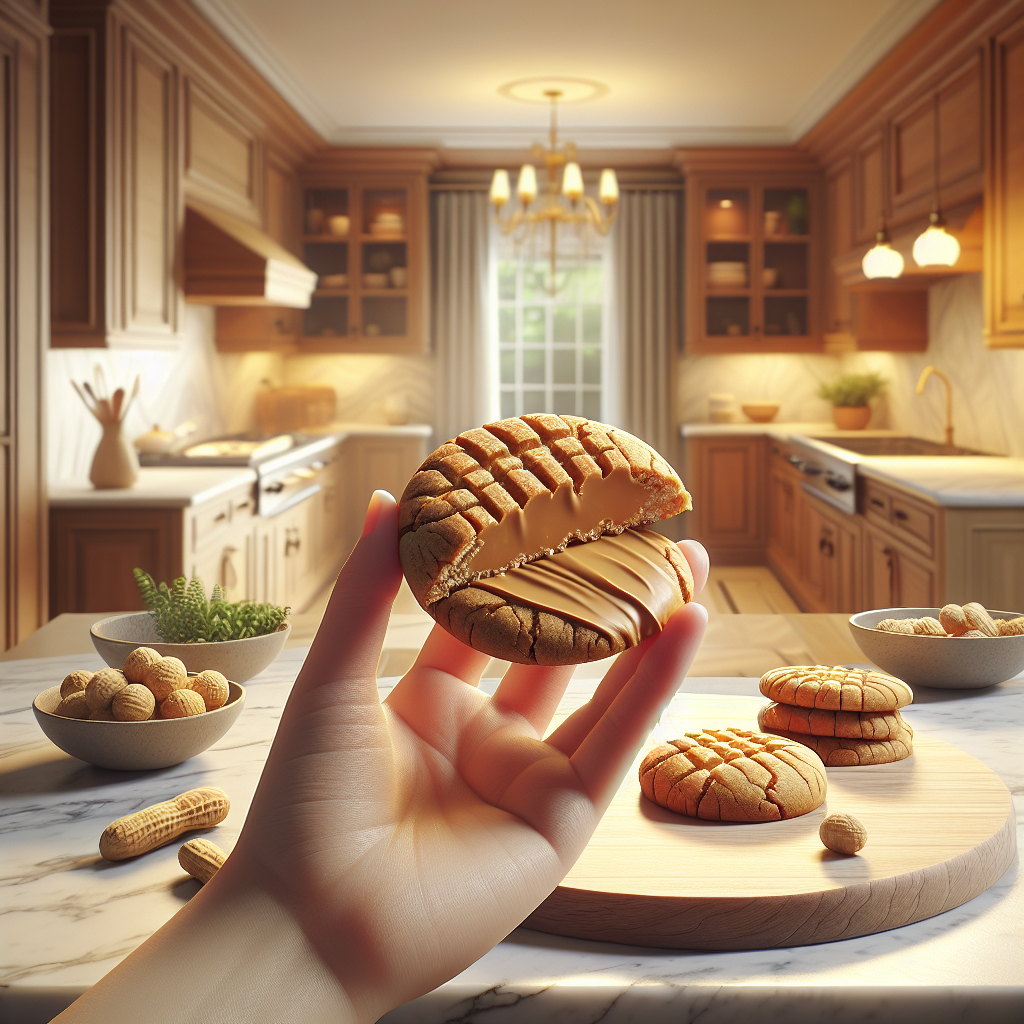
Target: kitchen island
70	917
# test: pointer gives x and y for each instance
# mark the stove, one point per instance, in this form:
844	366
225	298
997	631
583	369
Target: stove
288	466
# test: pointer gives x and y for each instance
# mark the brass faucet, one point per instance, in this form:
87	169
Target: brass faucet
922	380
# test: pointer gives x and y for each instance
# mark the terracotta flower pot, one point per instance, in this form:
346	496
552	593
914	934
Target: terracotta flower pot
851	417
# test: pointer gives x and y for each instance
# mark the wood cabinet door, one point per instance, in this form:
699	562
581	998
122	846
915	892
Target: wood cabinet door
879	570
93	552
914	582
869	187
145	268
1004	194
730	514
839	230
782	519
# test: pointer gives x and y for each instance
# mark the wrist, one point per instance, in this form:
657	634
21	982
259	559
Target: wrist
232	953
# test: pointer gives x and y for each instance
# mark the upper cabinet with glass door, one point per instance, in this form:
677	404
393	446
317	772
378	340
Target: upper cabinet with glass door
752	249
366	238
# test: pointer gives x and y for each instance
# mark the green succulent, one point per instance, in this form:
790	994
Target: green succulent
853	389
184	615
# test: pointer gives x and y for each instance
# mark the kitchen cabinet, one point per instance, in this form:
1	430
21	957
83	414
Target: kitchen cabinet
365	222
937	121
23	258
149	105
94	547
728	480
814	549
894	577
114	200
1004	193
754	247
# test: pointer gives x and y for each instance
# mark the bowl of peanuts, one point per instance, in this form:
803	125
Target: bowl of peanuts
956	647
150	713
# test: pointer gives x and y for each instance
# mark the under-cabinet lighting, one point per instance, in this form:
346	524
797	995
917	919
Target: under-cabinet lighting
935	246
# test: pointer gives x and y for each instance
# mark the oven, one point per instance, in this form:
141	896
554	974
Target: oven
827	472
288	467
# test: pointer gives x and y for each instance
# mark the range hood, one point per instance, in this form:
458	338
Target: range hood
229	262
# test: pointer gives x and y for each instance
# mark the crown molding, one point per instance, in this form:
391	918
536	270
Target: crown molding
237	28
584	137
896	23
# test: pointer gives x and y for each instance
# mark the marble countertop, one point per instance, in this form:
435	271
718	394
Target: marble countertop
157	487
69	917
967	481
956	482
341	429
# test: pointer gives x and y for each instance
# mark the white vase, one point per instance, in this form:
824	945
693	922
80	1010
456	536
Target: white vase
116	463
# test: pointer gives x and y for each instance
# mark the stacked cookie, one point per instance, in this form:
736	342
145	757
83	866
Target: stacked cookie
847	716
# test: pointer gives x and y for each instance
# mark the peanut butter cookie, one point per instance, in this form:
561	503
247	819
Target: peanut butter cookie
838	752
850	725
734	775
525	539
835	689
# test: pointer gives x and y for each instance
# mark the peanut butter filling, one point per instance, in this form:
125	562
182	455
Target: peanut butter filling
622	586
550	519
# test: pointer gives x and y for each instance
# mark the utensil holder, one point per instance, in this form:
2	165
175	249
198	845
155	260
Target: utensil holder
116	463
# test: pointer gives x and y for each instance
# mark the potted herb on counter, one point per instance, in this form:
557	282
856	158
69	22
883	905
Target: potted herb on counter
237	638
850	395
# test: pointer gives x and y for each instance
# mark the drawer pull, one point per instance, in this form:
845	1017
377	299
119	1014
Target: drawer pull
900	514
878	503
219	518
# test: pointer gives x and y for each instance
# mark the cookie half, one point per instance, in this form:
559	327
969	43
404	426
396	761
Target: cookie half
525	539
734	775
850	725
846	753
835	689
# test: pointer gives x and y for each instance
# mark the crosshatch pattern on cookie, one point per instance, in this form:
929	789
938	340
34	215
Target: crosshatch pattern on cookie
835	689
845	753
474	481
734	775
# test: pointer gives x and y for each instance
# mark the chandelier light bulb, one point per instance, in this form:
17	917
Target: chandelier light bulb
572	181
935	246
500	190
609	190
882	260
526	188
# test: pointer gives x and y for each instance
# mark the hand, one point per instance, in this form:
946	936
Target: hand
399	841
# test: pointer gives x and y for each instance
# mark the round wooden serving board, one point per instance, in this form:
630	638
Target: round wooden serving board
940	831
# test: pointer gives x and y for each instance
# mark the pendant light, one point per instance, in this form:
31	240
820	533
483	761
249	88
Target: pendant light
882	260
935	246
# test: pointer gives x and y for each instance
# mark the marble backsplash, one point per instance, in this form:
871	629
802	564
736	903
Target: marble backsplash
217	391
988	384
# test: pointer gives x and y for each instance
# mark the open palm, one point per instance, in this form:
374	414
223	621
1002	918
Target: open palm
406	838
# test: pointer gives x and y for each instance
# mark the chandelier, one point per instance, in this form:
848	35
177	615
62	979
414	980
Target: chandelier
562	202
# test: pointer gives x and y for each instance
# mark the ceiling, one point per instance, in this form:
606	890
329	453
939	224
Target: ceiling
678	72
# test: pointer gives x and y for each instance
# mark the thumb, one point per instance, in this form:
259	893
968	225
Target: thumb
348	643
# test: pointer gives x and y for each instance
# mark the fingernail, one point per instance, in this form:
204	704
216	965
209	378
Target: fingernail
373	513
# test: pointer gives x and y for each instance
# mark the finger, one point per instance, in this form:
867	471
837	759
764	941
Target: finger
606	753
700	564
533	692
444	652
348	643
571	733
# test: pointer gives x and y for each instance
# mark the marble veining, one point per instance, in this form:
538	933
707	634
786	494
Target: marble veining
69	916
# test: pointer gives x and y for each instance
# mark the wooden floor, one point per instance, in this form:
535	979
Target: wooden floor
746	590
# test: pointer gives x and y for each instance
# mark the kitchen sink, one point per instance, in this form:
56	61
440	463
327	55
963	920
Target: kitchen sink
898	446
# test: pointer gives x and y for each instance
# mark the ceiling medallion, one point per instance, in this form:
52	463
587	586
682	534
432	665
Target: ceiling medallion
567	204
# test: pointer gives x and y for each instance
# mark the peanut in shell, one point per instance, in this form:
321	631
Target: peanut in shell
100	689
135	703
75	682
137	662
165	675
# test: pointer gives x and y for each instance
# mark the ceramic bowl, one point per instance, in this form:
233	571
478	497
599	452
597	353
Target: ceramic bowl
942	662
760	412
375	280
116	637
136	746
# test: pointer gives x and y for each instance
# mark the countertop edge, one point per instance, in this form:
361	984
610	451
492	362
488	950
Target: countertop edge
81	494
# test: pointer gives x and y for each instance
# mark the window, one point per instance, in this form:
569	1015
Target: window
551	348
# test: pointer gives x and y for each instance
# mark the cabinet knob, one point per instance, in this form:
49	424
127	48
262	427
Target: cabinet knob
900	514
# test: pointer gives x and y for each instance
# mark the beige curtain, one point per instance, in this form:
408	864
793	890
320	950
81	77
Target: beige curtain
460	271
645	320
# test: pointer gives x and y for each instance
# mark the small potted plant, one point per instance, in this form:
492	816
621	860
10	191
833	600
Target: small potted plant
850	395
